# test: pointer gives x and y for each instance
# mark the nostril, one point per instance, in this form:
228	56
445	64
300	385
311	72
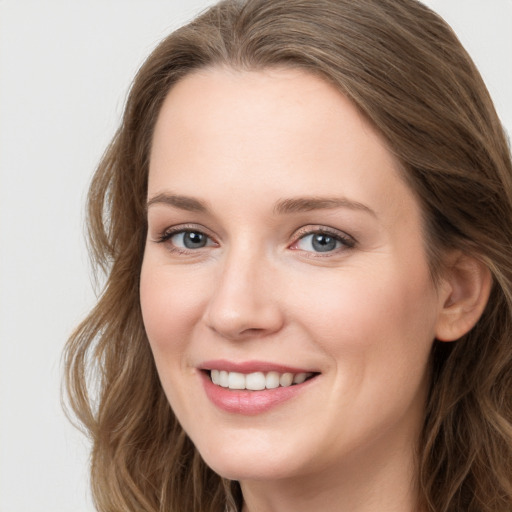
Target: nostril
242	306
234	332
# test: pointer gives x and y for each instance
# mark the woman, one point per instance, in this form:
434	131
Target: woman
305	223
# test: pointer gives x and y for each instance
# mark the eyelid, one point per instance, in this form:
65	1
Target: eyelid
347	240
166	234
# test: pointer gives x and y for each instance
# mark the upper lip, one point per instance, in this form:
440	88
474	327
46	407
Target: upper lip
251	367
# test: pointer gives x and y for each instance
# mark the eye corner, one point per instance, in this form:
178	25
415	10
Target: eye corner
321	241
185	239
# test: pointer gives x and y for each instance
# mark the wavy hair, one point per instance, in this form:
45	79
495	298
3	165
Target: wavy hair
406	71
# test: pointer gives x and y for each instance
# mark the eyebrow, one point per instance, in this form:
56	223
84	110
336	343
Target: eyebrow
281	207
187	203
306	204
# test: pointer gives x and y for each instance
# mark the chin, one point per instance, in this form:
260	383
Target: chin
247	469
250	461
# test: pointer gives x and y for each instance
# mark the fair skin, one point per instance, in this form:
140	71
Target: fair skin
281	236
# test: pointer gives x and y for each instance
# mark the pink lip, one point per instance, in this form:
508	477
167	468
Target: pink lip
250	367
249	402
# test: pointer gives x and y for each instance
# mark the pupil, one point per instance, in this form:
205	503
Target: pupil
193	240
323	243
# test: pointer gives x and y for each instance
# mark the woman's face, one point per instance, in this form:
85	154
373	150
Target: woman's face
283	245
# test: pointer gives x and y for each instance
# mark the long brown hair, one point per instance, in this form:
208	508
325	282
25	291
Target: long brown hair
406	71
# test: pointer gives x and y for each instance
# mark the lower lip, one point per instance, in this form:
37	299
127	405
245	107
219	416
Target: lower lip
250	402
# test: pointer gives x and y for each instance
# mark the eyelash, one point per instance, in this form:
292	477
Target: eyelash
346	241
166	235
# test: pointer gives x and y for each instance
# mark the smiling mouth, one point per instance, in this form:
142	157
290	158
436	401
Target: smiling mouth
257	381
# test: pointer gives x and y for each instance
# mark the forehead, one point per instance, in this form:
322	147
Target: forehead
267	134
264	108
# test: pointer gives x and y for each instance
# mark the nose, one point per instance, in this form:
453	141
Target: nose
245	302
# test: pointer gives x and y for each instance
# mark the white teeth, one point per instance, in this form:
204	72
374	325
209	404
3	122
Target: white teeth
272	380
299	378
256	381
236	380
286	379
224	379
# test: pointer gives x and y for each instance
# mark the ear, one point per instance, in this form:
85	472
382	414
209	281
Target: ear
464	292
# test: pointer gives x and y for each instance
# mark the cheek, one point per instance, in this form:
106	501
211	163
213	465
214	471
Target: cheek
170	304
171	309
374	321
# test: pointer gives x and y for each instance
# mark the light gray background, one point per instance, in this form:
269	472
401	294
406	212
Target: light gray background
65	67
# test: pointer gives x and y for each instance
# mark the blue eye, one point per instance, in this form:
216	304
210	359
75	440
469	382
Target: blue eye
322	242
188	239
